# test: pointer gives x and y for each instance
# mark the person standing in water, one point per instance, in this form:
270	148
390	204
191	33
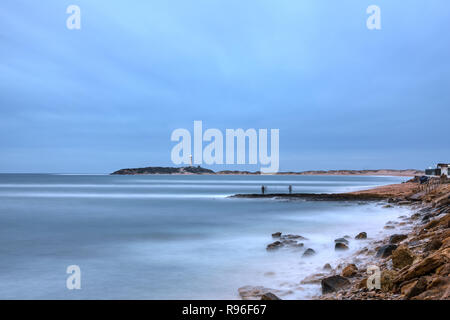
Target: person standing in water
263	189
290	189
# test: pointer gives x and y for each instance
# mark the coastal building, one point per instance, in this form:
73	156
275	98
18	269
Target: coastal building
440	170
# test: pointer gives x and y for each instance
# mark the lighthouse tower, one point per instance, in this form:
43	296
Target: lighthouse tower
190	157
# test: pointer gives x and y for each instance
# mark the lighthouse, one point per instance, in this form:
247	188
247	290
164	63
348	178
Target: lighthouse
190	157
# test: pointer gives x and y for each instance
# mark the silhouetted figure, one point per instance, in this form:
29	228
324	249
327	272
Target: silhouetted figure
290	189
263	189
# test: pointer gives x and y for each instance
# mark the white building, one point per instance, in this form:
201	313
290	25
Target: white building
441	169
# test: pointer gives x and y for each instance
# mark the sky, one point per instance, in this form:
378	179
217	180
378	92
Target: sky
109	95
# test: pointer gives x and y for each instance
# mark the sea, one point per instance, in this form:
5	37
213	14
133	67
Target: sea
173	236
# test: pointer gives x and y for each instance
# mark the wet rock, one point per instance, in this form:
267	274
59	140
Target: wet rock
387	280
402	257
292	237
340	246
274	246
276	235
341	240
385	251
407	287
349	271
298	245
389	227
396	238
327	267
314	278
431	225
432	245
256	292
387	206
438	289
361	235
443	270
309	252
425	266
415	288
269	296
334	283
362	284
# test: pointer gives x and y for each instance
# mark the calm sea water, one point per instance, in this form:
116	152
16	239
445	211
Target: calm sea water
170	237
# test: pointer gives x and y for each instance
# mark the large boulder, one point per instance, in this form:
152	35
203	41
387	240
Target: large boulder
387	280
361	235
438	289
414	288
425	266
349	271
386	251
334	283
402	257
433	245
396	238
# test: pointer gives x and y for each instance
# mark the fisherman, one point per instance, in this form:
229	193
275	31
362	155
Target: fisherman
290	188
263	189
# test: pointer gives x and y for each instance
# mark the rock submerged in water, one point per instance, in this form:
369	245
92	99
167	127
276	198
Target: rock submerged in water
292	237
276	235
340	246
334	283
314	278
386	251
308	252
361	235
341	240
269	296
274	246
257	292
288	240
327	267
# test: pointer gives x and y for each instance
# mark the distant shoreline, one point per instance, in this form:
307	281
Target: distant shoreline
204	171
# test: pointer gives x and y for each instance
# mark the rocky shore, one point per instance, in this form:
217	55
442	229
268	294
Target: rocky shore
411	264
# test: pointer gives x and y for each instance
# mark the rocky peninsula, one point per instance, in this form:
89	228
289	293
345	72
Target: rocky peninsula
413	264
200	170
163	170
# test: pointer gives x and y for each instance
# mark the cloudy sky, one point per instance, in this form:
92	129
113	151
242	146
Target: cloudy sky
109	95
